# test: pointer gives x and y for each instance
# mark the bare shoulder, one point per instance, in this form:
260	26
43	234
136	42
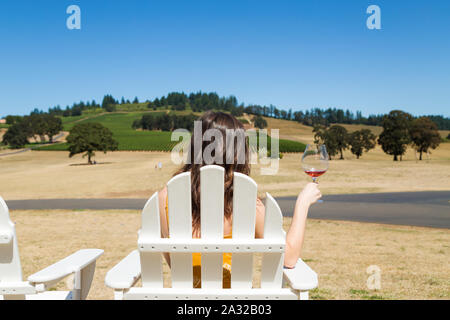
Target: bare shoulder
259	223
162	194
259	204
162	198
260	208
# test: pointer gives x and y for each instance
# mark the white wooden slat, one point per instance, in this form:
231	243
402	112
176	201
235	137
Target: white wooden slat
64	267
272	263
180	227
212	201
125	274
10	267
150	226
210	294
302	277
211	210
200	245
151	264
244	213
16	288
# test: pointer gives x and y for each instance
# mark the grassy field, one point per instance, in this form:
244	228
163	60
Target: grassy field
412	260
133	174
34	175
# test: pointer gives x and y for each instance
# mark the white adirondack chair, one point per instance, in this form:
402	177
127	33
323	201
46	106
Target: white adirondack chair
12	286
146	261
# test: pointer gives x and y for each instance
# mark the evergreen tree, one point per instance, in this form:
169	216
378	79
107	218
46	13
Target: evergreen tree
109	103
259	122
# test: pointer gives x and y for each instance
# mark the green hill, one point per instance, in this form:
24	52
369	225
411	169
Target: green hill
120	123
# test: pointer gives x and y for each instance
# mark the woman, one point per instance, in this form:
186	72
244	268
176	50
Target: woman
222	122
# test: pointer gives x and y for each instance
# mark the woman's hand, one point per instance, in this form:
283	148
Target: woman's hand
309	195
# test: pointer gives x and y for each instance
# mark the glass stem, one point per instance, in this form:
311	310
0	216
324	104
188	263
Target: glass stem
315	181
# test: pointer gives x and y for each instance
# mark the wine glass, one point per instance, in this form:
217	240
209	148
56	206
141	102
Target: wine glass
315	161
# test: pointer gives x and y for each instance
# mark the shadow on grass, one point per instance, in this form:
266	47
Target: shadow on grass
89	164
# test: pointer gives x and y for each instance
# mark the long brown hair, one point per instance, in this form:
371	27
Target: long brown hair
220	121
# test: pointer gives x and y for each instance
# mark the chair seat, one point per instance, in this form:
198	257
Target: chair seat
50	295
210	294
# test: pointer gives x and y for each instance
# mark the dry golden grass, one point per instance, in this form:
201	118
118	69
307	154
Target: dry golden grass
291	130
36	175
444	133
295	131
2	132
414	261
374	172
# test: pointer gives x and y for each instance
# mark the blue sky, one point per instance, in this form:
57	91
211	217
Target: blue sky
293	54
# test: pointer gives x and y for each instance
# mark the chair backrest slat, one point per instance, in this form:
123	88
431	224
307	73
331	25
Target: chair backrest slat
244	214
212	224
272	263
151	263
180	227
212	218
10	268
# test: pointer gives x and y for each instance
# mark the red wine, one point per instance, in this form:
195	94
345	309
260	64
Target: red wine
315	173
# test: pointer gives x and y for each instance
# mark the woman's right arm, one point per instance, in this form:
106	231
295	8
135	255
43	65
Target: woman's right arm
162	198
294	237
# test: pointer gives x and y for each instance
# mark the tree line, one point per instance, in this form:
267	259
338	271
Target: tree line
165	122
337	139
201	101
400	129
32	126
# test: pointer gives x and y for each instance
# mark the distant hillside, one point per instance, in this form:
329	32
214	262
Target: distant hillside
120	123
202	101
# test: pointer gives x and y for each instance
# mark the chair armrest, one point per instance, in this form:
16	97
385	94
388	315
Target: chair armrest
125	274
71	264
301	277
16	288
6	237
